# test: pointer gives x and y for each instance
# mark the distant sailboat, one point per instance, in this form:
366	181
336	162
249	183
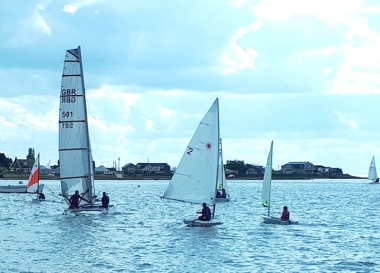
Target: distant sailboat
34	181
195	179
222	181
75	158
266	193
372	173
33	185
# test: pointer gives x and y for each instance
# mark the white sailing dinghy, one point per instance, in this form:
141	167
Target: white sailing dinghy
372	173
266	192
195	178
222	181
75	158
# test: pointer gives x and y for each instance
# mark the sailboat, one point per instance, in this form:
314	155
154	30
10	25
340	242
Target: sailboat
34	181
33	185
372	173
75	158
222	190
195	179
266	193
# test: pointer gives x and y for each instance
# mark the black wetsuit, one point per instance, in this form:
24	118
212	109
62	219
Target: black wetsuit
206	214
74	201
105	201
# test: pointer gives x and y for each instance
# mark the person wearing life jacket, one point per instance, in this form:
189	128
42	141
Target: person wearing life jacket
206	213
285	214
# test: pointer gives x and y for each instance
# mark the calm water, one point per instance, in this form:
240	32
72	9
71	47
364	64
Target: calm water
338	231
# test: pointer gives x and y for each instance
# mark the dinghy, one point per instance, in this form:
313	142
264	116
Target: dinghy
75	158
33	185
34	181
222	181
372	173
195	179
266	192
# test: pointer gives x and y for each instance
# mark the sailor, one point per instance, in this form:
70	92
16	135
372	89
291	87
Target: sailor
105	200
74	200
224	194
285	213
41	196
206	213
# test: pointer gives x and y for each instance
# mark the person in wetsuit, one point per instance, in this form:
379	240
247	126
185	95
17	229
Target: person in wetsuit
41	196
74	200
206	213
105	200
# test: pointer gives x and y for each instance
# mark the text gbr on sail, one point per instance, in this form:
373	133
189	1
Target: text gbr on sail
66	95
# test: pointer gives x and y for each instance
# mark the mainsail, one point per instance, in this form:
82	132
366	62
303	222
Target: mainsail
195	178
34	177
75	160
372	173
267	181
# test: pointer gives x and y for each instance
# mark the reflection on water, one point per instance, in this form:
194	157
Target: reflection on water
337	231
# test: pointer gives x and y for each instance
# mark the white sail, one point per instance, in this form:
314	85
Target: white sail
195	178
267	180
372	173
75	160
222	181
34	177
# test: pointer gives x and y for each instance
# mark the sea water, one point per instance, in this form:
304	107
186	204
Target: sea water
338	230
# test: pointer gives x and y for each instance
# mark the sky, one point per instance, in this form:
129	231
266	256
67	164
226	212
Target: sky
305	74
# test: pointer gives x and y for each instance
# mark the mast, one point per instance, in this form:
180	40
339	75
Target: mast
218	155
90	176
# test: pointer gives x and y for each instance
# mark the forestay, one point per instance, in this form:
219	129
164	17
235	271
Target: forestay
195	178
75	160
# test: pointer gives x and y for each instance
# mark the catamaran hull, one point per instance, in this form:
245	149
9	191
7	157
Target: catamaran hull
18	188
199	223
220	200
91	209
278	221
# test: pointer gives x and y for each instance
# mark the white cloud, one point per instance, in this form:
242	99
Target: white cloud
347	119
74	7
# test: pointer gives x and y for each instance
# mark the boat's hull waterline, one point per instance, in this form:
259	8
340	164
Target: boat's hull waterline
200	223
18	188
221	200
277	221
91	209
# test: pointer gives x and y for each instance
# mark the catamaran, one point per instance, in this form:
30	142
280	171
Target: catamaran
266	193
222	190
195	179
75	158
372	173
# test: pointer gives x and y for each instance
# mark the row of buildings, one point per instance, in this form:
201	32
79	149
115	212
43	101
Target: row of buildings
305	167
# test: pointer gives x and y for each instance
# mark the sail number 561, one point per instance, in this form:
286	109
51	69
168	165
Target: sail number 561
67	114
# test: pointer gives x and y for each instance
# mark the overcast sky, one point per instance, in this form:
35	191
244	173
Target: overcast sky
305	74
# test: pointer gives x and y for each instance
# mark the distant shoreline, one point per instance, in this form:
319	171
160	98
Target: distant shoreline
13	176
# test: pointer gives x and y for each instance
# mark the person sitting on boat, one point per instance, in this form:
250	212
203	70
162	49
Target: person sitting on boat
218	194
74	200
285	214
105	200
41	196
206	213
224	194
